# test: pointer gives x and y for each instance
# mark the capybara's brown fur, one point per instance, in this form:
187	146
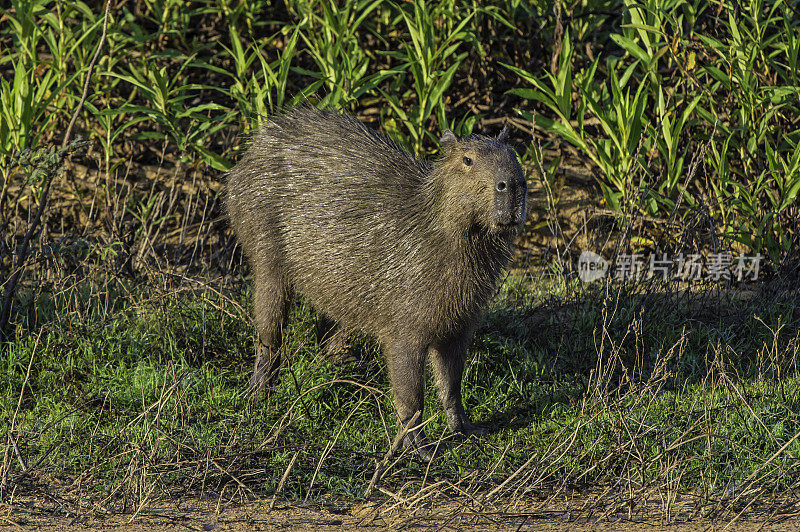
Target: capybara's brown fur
406	250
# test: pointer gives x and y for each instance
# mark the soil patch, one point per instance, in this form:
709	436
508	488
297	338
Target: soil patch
208	515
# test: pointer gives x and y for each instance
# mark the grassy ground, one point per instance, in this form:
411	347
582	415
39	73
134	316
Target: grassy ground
660	126
668	394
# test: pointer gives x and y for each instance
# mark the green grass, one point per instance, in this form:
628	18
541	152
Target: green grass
151	400
678	109
683	116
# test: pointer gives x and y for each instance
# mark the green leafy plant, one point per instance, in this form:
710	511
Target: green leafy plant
186	126
752	100
430	58
618	110
259	87
331	39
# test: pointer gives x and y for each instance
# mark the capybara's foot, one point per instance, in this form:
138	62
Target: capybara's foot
468	427
459	422
417	442
265	371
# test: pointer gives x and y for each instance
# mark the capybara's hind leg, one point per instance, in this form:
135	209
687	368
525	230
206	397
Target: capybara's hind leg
271	305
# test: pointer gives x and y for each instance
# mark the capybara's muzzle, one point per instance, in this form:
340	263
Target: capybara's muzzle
510	197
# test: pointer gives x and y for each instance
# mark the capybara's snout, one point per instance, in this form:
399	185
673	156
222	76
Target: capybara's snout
510	198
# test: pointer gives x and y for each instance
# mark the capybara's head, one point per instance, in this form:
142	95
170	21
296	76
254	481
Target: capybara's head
484	180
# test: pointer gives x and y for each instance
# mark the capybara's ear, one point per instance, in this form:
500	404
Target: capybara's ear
503	135
448	139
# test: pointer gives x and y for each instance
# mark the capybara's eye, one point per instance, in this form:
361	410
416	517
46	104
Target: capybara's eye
467	161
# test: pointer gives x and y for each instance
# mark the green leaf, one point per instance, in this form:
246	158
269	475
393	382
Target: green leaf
631	47
214	160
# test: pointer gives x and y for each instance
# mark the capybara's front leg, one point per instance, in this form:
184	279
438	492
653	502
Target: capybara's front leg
448	358
407	371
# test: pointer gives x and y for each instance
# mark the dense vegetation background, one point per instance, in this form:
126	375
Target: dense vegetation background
674	108
128	341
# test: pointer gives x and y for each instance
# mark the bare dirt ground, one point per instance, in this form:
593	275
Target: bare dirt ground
211	515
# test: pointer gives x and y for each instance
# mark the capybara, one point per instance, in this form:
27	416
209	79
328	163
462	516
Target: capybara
408	251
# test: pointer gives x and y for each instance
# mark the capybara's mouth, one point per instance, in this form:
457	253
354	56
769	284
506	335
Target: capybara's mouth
510	221
503	226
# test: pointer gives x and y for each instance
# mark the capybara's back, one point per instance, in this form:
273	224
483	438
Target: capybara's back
324	198
406	250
